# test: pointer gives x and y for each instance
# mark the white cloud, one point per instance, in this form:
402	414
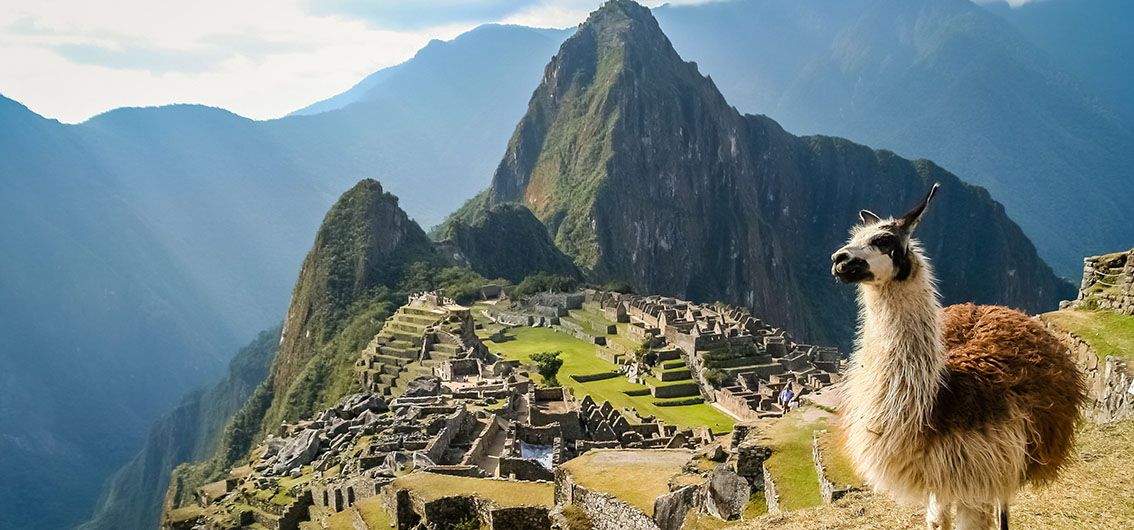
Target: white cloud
260	58
72	59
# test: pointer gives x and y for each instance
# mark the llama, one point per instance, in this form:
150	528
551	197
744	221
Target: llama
954	407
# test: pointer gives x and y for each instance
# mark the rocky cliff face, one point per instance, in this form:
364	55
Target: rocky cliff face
362	249
507	242
644	173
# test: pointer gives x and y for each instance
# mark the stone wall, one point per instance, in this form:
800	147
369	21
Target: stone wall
735	404
519	518
1108	283
523	469
830	491
482	444
1110	383
770	496
605	511
456	422
409	511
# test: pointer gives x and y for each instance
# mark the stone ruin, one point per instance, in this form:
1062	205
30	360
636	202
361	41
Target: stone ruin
1108	283
435	400
429	332
719	352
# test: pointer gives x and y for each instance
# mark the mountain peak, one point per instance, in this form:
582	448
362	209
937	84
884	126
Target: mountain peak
623	17
643	173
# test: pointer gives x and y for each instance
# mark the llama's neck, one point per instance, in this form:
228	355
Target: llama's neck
900	359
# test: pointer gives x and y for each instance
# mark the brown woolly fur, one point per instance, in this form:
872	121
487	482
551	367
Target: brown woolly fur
1001	360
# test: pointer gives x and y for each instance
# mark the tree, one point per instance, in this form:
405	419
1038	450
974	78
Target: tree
548	364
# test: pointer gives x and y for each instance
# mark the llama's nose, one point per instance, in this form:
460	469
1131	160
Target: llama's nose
840	256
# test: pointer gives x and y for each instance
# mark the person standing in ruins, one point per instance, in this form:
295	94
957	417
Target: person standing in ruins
786	396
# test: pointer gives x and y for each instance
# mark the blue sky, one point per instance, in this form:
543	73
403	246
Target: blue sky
72	59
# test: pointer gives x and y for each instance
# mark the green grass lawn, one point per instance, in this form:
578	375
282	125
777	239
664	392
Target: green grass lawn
791	465
579	359
1107	332
606	471
506	494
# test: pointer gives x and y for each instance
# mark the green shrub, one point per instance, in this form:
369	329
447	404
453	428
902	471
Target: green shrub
548	365
542	282
677	402
715	377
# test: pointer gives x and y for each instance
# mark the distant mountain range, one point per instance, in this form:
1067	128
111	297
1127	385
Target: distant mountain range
145	245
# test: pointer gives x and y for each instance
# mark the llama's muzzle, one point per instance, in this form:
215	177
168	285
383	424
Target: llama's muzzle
848	268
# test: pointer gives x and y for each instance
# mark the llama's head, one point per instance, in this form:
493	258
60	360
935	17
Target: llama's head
880	250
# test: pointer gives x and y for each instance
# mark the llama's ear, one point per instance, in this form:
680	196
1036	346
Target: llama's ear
868	217
910	221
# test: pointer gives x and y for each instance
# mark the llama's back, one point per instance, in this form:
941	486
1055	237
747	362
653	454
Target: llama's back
1001	362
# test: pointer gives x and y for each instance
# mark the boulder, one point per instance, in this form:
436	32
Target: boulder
670	509
272	446
351	406
728	493
299	451
367	418
426	385
714	453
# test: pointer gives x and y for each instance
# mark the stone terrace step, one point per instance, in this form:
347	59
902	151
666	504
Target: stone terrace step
661	389
674	375
445	347
405	353
408	327
417	319
399	335
670	365
422	311
392	360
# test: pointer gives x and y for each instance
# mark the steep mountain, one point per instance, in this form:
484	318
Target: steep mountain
366	256
361	252
643	173
948	81
190	432
506	241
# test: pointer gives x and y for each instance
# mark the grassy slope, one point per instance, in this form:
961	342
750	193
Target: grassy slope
579	358
607	471
791	465
1107	332
1096	491
504	493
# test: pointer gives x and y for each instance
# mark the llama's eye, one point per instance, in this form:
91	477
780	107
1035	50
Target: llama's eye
883	241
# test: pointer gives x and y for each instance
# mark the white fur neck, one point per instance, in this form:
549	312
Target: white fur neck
899	366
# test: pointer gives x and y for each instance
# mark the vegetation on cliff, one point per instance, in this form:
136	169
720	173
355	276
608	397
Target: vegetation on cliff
506	241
